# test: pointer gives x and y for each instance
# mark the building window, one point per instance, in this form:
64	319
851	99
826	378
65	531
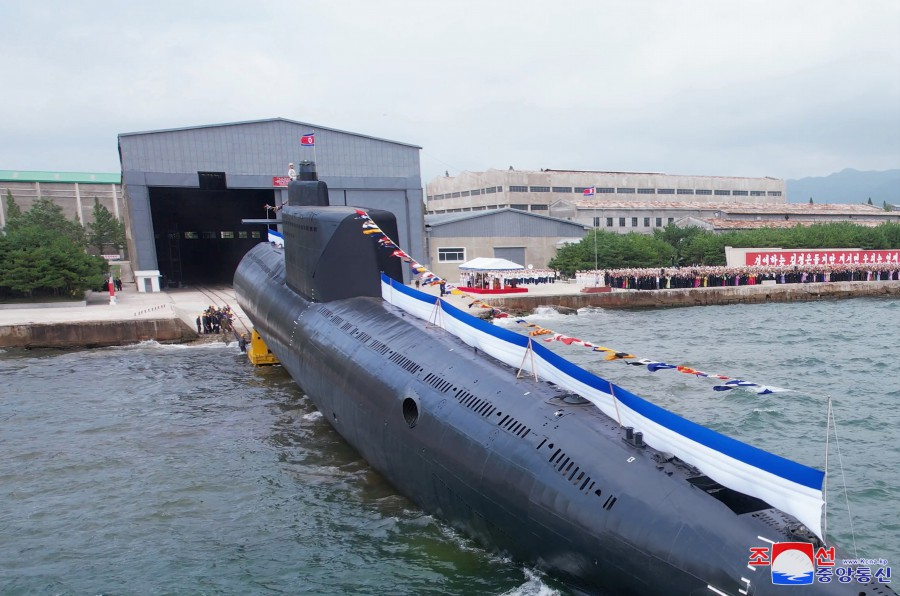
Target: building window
633	222
597	222
666	191
227	234
625	191
464	193
702	191
190	236
254	234
605	190
581	189
646	191
540	189
757	193
242	234
455	195
671	219
646	222
723	193
609	222
208	235
739	193
451	255
658	222
539	207
489	190
774	193
562	189
621	222
499	188
518	189
520	207
685	191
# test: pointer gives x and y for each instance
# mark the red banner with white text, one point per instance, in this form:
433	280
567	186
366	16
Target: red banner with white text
805	258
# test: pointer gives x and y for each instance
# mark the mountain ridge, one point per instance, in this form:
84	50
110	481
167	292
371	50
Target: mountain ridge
847	186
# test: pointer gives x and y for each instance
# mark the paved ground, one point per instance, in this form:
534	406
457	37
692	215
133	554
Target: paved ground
130	304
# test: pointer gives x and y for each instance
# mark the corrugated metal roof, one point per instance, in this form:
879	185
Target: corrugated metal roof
447	218
313	127
738	224
790	208
614	172
61	177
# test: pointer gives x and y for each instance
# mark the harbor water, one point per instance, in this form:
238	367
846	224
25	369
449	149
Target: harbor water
154	469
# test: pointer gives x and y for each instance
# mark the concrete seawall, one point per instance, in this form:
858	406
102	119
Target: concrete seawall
95	334
169	318
701	296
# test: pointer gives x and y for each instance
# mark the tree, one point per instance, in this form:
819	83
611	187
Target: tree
888	206
810	201
43	254
48	216
105	230
13	212
609	250
870	201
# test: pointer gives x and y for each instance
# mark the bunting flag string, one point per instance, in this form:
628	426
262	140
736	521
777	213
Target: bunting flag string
426	277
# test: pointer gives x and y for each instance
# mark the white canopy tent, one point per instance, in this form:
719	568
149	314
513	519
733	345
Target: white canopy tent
490	264
484	273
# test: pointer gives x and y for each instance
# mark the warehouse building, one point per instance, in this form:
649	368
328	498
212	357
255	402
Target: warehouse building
539	191
626	202
645	216
188	189
528	239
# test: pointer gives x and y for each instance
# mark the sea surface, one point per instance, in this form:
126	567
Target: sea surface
154	469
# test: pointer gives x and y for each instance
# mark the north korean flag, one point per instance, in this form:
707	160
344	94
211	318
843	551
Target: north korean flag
308	140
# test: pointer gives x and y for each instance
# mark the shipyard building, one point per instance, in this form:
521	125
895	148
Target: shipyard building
639	202
183	193
527	239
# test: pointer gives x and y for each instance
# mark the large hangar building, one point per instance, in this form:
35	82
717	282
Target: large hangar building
188	189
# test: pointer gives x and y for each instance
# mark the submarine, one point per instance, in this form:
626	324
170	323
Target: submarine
526	453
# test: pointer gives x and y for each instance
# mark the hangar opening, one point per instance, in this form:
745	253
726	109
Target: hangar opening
198	231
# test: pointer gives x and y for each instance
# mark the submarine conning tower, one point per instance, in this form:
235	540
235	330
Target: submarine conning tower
327	257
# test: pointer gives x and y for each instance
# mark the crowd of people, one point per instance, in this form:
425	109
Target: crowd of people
497	280
215	320
719	276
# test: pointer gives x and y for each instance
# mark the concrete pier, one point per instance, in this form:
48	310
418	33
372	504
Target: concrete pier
166	317
519	303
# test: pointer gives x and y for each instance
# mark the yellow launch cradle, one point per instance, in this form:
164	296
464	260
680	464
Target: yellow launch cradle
258	352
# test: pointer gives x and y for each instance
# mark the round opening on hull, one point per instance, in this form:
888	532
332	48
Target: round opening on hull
410	411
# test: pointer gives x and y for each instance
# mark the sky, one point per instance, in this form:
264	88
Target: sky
778	88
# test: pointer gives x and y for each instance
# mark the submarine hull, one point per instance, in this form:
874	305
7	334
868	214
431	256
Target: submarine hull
512	462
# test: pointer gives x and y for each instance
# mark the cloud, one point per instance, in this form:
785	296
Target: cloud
786	89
